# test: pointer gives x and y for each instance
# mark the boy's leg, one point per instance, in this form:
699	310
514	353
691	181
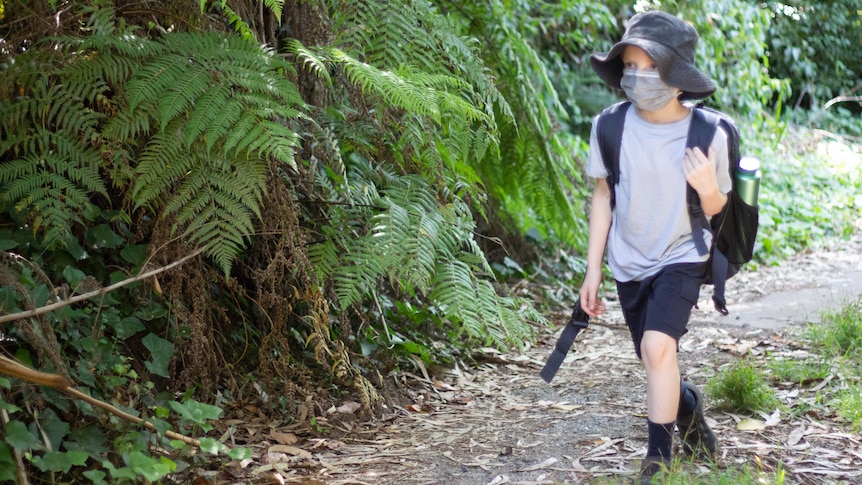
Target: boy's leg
658	355
657	312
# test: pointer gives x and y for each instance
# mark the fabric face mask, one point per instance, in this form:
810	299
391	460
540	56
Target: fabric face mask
646	89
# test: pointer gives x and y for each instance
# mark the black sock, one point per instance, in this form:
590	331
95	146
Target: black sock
660	439
687	401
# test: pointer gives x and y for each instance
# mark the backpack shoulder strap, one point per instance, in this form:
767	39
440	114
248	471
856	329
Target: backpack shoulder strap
701	131
609	131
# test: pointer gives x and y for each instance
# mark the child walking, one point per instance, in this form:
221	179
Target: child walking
648	232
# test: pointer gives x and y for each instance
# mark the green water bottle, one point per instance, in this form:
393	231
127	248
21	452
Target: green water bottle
748	180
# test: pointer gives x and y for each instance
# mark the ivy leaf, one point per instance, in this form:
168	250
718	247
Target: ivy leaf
150	468
127	327
73	275
96	476
160	351
135	254
196	412
211	446
61	461
54	429
7	464
89	438
102	236
239	453
20	438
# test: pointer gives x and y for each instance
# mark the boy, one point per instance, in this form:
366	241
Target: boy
648	234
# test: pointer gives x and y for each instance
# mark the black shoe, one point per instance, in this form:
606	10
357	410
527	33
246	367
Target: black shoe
651	467
698	440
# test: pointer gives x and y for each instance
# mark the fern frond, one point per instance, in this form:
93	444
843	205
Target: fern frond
163	162
276	6
324	258
311	60
50	166
128	125
213	113
359	272
453	291
390	86
154	78
183	93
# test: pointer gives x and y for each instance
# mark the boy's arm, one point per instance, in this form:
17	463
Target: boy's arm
700	173
600	224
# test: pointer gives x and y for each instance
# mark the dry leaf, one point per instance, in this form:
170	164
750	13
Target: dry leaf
773	419
565	407
348	407
796	436
283	438
442	385
419	408
750	424
544	464
290	450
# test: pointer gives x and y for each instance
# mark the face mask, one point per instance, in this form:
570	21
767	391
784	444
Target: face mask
646	89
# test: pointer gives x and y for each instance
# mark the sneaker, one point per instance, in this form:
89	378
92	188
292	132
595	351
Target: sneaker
651	467
697	437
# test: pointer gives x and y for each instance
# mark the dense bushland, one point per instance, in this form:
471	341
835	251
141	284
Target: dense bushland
208	203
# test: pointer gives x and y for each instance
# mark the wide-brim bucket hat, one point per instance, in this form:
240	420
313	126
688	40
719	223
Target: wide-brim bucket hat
670	42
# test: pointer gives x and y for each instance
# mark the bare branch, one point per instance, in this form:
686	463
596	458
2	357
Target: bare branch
13	368
841	99
86	296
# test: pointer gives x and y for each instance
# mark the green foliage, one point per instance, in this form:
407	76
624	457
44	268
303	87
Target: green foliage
840	333
681	472
849	406
199	116
809	193
536	180
122	454
420	246
51	169
742	387
814	45
800	372
733	51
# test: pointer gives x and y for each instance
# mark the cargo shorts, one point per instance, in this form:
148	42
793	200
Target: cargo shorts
661	302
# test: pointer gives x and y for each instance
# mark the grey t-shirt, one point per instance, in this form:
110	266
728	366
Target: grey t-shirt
651	226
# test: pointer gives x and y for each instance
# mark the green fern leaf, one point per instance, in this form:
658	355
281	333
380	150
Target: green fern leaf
184	91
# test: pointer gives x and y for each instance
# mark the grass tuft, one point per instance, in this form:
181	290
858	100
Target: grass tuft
800	372
742	387
839	332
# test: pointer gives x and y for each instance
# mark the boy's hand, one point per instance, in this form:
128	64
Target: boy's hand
699	170
700	174
590	302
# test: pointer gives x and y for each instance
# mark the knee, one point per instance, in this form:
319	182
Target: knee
658	350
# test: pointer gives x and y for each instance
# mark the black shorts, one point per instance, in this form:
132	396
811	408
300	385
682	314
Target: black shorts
661	302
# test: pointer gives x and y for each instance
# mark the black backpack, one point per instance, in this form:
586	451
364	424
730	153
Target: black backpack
734	229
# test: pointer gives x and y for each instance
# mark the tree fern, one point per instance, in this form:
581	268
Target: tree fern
215	100
417	244
533	142
51	168
405	53
171	105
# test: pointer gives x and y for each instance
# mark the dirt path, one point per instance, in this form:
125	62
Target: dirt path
500	423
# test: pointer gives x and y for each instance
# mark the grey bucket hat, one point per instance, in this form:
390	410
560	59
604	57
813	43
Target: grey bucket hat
670	42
